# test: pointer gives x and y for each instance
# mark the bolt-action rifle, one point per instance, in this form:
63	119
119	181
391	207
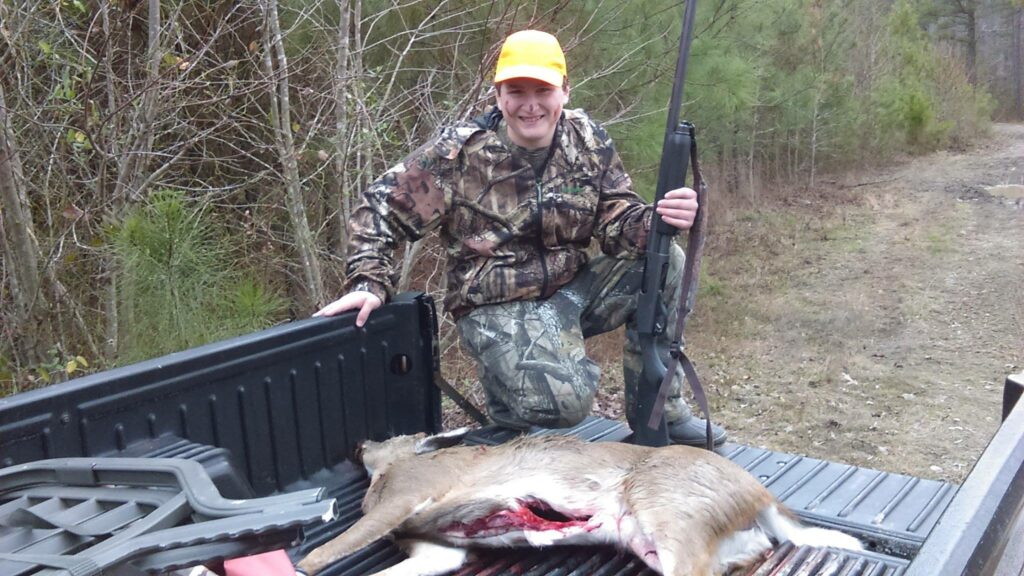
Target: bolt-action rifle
678	151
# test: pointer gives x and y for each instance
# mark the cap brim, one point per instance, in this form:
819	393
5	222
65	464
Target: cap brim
525	71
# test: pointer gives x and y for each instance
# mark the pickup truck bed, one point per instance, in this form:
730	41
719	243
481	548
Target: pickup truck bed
282	410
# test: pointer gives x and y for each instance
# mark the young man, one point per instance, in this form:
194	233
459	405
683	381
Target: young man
518	195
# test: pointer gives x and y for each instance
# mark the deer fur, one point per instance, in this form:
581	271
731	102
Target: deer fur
684	511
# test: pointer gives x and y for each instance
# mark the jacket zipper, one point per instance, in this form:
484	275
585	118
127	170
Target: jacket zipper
540	239
540	206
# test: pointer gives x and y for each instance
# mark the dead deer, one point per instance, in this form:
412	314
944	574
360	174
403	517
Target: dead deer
684	511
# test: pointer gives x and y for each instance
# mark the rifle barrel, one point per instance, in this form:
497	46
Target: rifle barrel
686	38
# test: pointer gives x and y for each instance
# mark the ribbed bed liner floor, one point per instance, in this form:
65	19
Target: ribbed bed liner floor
890	512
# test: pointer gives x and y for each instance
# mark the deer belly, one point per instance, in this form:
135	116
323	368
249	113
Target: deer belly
533	522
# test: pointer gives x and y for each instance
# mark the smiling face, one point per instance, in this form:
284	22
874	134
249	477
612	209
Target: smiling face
531	109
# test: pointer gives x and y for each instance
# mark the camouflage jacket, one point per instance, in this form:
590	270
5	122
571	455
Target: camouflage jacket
508	234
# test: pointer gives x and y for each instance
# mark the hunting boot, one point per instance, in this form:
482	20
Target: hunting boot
690	430
683	427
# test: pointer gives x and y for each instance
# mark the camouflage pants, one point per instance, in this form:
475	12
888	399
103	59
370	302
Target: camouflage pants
530	354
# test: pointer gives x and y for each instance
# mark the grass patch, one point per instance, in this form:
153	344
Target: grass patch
711	287
937	243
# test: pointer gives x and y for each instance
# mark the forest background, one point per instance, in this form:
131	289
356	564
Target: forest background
177	172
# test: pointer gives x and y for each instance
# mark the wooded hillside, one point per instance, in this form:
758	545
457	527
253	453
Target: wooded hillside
175	172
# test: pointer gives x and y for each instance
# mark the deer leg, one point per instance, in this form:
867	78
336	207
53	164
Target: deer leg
427	559
670	547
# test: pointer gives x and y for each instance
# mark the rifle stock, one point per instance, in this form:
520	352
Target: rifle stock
652	316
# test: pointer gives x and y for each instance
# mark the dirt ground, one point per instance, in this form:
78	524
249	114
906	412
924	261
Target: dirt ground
872	319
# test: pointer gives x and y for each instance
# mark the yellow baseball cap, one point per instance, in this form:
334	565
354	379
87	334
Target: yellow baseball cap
531	54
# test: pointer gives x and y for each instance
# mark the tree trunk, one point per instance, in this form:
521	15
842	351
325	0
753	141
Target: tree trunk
750	156
1018	64
413	251
814	134
795	173
21	249
132	159
132	163
971	23
282	124
339	190
364	165
736	158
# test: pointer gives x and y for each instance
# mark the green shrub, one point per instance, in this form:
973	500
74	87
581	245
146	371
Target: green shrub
177	286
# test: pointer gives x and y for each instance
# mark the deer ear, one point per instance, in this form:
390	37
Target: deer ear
442	440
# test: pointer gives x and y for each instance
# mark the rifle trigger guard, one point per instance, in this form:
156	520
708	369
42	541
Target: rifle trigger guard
660	318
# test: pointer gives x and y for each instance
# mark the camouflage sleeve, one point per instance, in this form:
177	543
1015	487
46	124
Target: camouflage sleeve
406	203
623	218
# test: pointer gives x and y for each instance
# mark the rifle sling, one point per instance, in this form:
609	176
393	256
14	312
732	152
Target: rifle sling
679	357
